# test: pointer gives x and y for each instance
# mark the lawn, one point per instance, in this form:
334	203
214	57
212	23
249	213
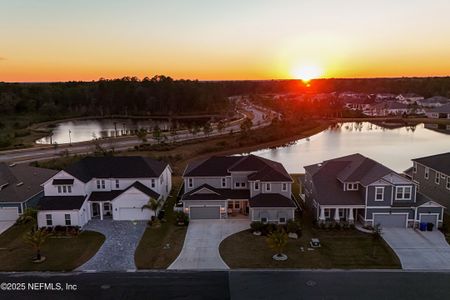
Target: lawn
342	249
152	252
63	254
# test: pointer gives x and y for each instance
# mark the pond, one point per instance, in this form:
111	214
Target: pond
392	147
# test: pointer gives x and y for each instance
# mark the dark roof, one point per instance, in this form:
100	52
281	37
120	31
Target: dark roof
61	202
422	199
443	109
271	200
439	162
12	177
262	169
216	194
62	181
116	167
108	196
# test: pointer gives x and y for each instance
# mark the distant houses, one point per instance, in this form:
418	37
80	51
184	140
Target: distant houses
436	101
441	112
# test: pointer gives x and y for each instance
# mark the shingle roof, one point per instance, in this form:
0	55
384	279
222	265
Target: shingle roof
271	200
216	194
61	202
116	167
443	109
110	195
264	169
439	162
31	177
435	99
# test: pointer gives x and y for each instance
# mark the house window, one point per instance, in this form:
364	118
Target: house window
415	167
448	182
282	220
237	204
437	178
64	188
403	193
67	219
352	186
427	173
154	182
264	220
69	189
103	184
256	186
230	204
224	182
117	183
284	187
236	184
161	179
98	184
268	187
59	189
190	182
243	184
48	219
326	213
379	193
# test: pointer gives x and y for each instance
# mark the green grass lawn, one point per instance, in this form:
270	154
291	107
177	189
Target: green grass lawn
343	249
63	254
151	252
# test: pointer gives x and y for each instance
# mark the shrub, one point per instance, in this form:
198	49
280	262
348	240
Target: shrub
256	226
271	228
292	226
181	218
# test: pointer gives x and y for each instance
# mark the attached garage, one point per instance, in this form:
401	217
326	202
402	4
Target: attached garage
133	214
390	220
9	213
205	212
429	218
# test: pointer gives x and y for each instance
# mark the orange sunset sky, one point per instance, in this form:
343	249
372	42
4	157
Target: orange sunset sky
50	40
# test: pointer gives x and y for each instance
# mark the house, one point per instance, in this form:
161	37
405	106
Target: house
356	188
409	98
435	101
441	112
388	108
251	187
432	175
20	188
104	187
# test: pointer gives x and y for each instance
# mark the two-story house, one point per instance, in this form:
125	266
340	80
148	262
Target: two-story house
238	186
104	187
432	175
356	188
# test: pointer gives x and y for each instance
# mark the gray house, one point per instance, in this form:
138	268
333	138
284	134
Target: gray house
356	188
20	187
252	187
441	112
432	175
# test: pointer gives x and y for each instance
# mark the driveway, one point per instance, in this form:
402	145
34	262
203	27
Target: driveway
117	252
419	250
201	245
4	225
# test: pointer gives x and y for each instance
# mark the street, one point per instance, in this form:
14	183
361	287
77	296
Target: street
271	284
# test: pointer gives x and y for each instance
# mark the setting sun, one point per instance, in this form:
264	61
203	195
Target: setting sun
307	72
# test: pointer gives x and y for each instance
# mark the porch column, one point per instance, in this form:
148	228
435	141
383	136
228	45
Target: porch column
101	210
351	219
336	215
322	214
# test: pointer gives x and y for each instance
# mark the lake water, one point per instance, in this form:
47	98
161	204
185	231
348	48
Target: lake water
85	130
392	147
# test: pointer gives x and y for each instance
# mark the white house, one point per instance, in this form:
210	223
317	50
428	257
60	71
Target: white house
104	187
408	98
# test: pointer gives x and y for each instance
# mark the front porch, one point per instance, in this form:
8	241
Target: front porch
237	209
101	210
341	214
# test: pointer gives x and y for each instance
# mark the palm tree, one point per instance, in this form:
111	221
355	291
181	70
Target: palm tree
29	215
277	240
152	204
36	238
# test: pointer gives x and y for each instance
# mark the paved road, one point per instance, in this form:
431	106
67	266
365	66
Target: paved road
279	285
117	252
125	143
419	250
201	245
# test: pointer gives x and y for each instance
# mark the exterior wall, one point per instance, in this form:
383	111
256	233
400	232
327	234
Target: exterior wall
276	188
239	177
437	192
78	217
430	210
33	201
78	187
371	195
132	198
273	213
199	181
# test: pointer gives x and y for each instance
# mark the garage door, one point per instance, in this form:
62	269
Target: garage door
429	219
390	220
208	212
132	214
9	213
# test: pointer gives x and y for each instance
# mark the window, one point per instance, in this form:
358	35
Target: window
237	204
437	178
427	173
153	183
284	187
69	189
59	189
264	220
64	188
282	220
326	213
256	186
98	184
103	184
415	167
268	187
230	204
236	184
352	186
341	213
67	219
117	184
49	221
161	179
403	193
243	184
190	182
448	182
224	182
379	193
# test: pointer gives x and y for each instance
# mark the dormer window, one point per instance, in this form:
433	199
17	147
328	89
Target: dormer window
256	186
153	183
268	187
352	187
224	182
117	183
190	182
284	187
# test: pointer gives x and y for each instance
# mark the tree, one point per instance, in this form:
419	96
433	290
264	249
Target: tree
29	215
36	238
152	204
277	241
220	126
246	126
157	133
142	134
207	129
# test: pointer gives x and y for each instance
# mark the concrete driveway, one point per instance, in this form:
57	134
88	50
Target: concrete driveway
201	245
117	252
419	250
4	225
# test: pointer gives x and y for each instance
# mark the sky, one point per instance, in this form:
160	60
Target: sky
54	40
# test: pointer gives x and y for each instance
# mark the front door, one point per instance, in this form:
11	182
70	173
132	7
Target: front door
107	209
95	209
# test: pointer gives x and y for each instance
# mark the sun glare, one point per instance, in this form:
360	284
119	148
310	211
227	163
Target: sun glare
307	72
